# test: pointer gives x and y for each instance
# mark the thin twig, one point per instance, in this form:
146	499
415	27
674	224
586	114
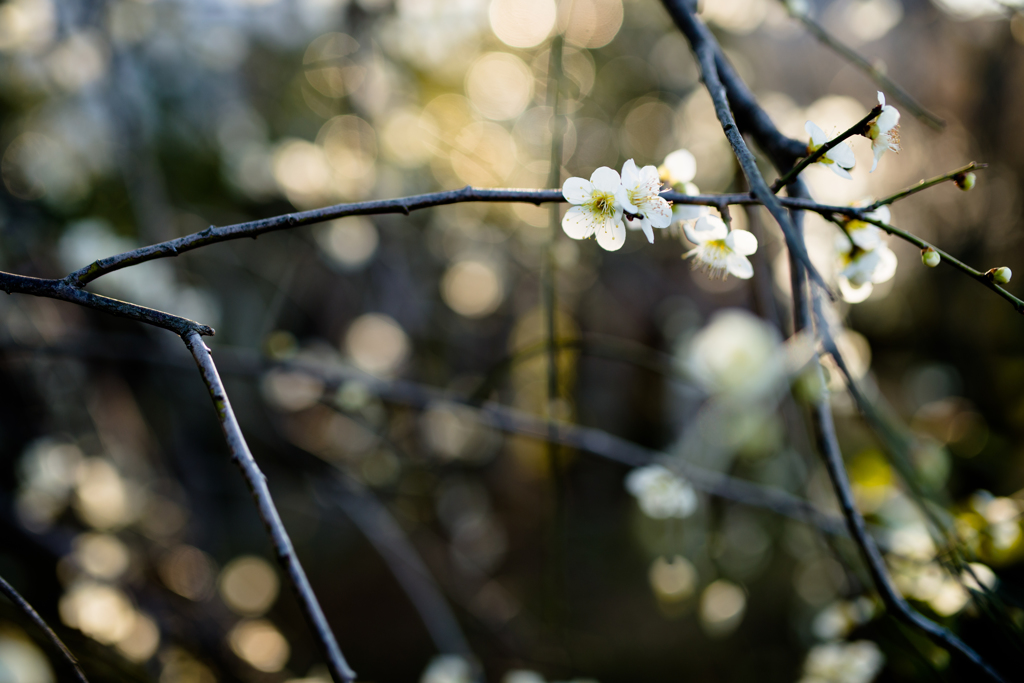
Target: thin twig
883	81
859	128
30	612
289	561
955	176
62	291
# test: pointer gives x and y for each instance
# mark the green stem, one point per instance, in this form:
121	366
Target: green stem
925	184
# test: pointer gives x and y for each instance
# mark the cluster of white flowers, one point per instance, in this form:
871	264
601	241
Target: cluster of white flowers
857	662
865	260
608	203
601	202
660	493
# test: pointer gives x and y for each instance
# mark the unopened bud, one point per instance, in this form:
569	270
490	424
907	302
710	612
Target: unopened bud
930	257
966	182
1001	275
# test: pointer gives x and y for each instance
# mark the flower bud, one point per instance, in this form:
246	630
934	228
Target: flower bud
1001	275
930	257
966	182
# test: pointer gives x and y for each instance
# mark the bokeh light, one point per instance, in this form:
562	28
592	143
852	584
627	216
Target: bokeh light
377	344
260	644
248	585
472	288
499	85
522	23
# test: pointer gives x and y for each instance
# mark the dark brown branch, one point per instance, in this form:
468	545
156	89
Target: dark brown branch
62	291
213	235
283	549
704	47
30	612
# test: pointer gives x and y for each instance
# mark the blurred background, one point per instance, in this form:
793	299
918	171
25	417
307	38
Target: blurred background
127	122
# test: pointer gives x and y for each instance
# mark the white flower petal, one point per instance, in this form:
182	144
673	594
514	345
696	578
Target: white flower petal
840	171
881	98
742	242
739	266
864	235
611	235
687	212
634	223
606	179
658	212
681	165
630	175
852	294
882	213
645	224
886	266
708	228
579	223
878	147
888	119
649	177
577	190
622	201
818	137
842	155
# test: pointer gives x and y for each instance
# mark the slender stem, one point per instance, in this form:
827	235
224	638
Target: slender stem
62	291
955	176
30	612
286	557
977	275
859	128
883	81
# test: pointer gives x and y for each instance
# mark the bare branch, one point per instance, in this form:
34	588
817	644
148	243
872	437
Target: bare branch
62	291
286	557
704	48
29	611
956	176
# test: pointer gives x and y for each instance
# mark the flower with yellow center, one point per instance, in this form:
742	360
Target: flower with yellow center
719	250
598	208
884	131
643	188
840	158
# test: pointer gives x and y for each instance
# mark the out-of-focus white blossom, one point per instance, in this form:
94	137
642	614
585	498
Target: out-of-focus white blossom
660	493
857	662
838	619
865	235
840	158
642	188
737	354
598	211
884	131
719	250
447	669
679	168
861	270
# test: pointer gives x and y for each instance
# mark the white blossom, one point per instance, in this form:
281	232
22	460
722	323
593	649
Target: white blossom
736	354
857	662
447	669
642	188
719	250
598	211
884	131
660	493
840	158
860	271
679	168
868	236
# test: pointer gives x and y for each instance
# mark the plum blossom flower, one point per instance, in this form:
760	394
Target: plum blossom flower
860	271
884	131
679	168
660	493
642	189
865	235
857	662
840	158
598	211
719	250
